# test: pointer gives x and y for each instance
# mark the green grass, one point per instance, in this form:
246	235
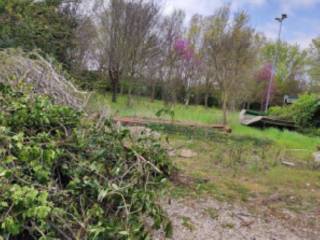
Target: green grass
234	167
233	171
143	107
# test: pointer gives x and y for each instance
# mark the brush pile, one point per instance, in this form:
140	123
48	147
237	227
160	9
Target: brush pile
63	178
21	70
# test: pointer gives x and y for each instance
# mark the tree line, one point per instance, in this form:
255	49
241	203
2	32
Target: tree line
131	47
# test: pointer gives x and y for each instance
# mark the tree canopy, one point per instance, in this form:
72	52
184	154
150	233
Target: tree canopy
47	25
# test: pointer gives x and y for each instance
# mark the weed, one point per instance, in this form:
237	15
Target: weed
187	223
212	212
228	225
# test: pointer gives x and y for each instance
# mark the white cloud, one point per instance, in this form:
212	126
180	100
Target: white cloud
301	39
290	6
270	30
192	7
206	7
236	4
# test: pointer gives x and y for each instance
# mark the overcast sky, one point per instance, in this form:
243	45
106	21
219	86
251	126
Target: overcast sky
301	27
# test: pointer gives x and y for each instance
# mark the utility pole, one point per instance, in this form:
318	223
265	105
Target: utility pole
275	61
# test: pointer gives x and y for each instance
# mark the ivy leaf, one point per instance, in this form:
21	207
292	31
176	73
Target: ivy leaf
11	226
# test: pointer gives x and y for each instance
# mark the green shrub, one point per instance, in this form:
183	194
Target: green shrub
302	112
63	179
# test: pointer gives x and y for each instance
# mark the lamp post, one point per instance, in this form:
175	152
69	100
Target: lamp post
275	61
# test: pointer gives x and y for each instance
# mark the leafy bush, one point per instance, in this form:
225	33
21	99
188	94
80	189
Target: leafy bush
33	24
302	112
63	179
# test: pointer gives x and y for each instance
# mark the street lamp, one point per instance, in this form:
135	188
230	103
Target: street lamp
275	61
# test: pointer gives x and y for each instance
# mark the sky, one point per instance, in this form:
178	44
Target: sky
302	25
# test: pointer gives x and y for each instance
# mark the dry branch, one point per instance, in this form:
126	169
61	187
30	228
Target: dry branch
18	68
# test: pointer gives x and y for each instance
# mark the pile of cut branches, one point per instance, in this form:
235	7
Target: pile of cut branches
21	69
63	178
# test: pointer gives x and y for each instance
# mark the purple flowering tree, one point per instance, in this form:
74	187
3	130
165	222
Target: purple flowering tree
189	64
262	80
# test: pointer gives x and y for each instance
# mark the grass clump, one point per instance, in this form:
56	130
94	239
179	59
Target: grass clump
187	223
213	213
63	179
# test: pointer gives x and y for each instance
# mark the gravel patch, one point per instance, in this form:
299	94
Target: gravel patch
207	219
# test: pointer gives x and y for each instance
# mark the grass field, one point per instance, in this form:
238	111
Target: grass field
238	171
234	168
143	107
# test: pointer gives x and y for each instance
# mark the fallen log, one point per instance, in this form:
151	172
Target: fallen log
133	121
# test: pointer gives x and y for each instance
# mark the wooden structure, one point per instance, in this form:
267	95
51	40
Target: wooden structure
253	119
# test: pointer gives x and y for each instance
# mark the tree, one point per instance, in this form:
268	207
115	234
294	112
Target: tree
188	65
290	70
208	81
112	42
126	39
47	25
191	57
142	18
171	30
84	46
231	54
314	60
261	85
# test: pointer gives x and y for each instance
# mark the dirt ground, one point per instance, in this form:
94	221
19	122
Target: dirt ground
207	219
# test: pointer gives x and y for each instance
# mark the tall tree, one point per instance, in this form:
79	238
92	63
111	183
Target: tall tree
126	38
314	60
192	63
231	54
290	70
171	30
112	42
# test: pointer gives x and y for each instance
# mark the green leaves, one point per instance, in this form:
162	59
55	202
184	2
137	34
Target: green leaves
11	226
302	112
21	205
40	25
61	178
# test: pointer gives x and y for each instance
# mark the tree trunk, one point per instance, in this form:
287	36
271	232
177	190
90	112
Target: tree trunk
153	92
173	97
129	100
187	99
225	110
232	106
121	89
206	100
165	94
114	77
